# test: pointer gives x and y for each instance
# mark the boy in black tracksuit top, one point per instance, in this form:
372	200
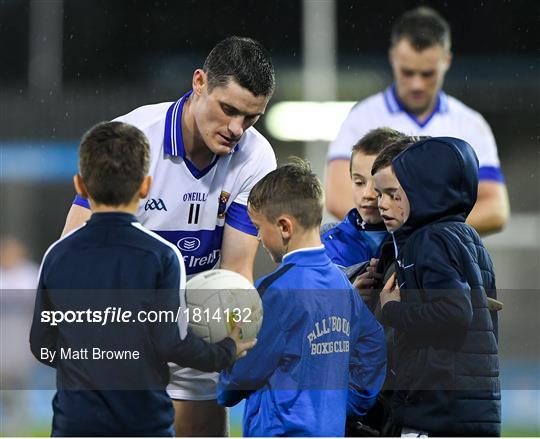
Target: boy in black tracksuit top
112	375
445	354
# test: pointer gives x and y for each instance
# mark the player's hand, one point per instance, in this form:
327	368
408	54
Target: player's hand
367	280
241	346
390	292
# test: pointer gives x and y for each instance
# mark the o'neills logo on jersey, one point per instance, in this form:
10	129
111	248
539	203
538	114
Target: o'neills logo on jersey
194	196
329	325
222	206
189	244
194	262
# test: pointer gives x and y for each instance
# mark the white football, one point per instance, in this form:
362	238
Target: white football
219	299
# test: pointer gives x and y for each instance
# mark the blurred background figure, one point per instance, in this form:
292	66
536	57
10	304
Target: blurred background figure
17	271
420	55
18	280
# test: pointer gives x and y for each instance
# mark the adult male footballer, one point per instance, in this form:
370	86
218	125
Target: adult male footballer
415	104
205	158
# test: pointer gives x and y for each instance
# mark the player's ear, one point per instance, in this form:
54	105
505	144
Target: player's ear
80	188
199	81
144	189
391	55
448	59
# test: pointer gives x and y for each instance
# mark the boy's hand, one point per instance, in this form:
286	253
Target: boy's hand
390	292
241	346
367	280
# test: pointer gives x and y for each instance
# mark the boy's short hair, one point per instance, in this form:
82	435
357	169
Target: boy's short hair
245	61
384	159
113	160
423	27
375	141
291	189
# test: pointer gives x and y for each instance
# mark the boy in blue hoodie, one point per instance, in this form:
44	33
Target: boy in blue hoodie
320	354
359	236
445	347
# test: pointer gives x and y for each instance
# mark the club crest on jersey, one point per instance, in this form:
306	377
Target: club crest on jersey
222	206
154	204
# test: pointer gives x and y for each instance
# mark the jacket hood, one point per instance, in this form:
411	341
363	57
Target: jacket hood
440	177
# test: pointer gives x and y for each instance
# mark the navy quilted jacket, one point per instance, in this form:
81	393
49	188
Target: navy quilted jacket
445	353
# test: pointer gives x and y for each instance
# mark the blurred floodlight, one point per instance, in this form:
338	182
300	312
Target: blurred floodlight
306	121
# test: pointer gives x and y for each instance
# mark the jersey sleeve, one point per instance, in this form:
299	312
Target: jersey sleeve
350	132
251	372
43	335
483	142
80	201
367	368
238	218
259	161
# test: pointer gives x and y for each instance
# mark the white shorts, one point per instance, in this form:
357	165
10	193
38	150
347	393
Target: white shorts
192	384
410	432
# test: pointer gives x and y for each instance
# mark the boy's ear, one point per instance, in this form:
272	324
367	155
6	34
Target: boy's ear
286	226
144	189
80	188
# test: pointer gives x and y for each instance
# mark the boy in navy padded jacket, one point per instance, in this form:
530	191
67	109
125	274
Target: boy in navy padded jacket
112	375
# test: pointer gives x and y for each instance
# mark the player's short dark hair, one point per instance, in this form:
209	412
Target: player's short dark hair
113	161
384	159
423	27
375	141
291	189
243	60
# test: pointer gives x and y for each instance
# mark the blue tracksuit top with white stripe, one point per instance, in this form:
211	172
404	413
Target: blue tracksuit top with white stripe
353	240
113	262
320	354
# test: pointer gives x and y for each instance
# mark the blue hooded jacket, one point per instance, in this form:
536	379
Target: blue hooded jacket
320	354
446	353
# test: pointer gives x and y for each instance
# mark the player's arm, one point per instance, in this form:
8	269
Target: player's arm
76	217
251	372
173	340
338	191
367	367
447	303
238	251
492	209
43	336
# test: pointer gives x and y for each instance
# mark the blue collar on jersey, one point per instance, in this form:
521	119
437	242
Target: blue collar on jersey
394	105
173	142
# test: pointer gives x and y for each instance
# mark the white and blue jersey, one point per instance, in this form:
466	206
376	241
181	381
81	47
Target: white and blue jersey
450	117
190	207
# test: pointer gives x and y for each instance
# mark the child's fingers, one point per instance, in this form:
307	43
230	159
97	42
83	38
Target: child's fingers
390	283
235	332
243	347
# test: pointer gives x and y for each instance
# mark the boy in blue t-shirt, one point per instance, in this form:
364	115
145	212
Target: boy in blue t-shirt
321	355
359	236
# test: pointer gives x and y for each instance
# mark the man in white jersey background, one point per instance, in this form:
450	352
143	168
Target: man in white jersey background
415	104
205	158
